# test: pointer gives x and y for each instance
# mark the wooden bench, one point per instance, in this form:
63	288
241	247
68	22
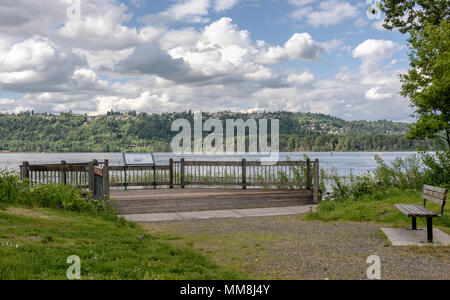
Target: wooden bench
435	194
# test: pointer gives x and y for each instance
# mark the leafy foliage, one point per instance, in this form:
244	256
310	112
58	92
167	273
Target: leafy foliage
15	191
118	132
404	174
411	15
427	84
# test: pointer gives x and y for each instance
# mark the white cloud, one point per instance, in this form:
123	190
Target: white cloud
103	28
145	102
222	5
36	64
101	62
372	52
300	79
373	94
299	46
191	10
327	13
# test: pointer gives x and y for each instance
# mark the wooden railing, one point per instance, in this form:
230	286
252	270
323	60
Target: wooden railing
99	184
99	177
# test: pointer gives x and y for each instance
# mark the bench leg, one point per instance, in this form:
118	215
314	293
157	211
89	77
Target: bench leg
414	223
430	230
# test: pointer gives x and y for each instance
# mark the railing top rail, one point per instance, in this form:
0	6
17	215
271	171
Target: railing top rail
248	163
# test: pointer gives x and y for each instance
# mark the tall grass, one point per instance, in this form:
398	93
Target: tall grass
409	174
17	191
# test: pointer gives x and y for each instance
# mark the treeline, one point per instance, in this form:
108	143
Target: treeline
119	132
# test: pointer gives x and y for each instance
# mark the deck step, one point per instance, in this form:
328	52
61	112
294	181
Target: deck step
200	200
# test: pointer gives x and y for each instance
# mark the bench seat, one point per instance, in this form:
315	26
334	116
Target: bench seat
437	195
414	210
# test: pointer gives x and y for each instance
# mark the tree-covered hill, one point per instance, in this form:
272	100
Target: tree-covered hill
117	132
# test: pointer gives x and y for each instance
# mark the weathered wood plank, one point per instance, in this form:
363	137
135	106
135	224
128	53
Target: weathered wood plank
431	198
435	189
98	171
437	195
136	184
176	200
414	210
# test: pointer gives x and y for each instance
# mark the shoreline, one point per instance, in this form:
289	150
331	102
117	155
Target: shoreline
374	151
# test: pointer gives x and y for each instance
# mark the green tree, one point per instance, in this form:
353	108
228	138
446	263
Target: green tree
412	15
427	84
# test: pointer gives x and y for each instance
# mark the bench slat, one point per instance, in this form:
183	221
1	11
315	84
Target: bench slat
435	189
431	198
414	210
439	196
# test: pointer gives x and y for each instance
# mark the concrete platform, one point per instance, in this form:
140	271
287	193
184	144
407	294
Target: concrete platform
213	214
408	237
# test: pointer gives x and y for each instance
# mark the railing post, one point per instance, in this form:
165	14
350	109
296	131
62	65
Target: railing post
244	174
26	170
171	173
106	181
316	199
308	174
63	172
91	176
182	173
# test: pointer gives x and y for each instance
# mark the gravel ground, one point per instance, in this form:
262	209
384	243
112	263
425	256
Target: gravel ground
290	248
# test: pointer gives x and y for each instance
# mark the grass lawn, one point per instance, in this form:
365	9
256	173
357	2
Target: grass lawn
35	243
380	208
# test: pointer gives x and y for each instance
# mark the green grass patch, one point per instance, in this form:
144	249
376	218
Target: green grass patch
379	207
35	243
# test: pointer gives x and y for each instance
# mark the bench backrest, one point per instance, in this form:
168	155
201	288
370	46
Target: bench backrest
436	194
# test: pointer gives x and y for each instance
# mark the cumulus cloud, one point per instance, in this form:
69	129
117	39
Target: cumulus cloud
145	102
299	46
150	59
102	26
326	13
300	79
373	94
223	5
36	64
188	10
372	52
101	62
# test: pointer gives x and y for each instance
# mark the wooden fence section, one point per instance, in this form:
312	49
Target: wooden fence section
74	173
295	174
99	176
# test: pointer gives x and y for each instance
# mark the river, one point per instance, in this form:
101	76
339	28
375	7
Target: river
343	162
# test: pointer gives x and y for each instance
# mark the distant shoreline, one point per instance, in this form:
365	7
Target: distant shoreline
373	151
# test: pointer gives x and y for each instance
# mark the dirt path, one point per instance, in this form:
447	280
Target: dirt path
289	248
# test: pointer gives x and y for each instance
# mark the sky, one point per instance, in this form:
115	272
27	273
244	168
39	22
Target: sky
93	56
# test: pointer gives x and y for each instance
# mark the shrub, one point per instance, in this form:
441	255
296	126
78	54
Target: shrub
14	190
404	174
437	168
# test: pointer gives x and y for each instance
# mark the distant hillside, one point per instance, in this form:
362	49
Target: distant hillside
116	132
